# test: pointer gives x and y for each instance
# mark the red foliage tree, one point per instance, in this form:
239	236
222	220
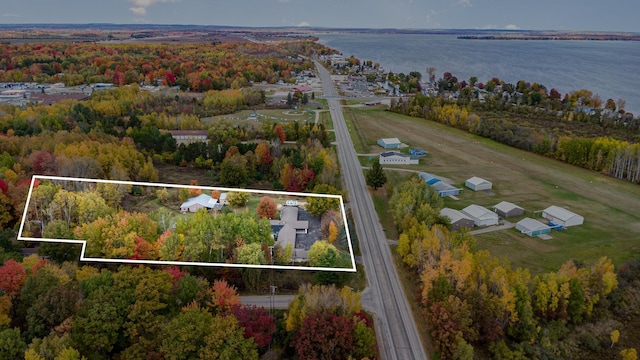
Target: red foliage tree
176	273
324	336
267	208
278	131
12	277
444	330
142	250
257	323
194	192
223	296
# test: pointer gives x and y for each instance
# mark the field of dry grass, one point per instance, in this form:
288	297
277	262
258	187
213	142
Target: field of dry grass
611	208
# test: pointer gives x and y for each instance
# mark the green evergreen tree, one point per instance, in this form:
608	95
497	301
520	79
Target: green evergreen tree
376	176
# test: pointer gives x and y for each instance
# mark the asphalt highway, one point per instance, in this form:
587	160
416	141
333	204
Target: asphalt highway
398	337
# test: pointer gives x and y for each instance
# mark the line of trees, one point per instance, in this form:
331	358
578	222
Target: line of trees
199	67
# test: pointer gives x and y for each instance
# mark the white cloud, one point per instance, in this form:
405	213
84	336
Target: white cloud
304	23
511	27
10	15
138	10
140	6
465	3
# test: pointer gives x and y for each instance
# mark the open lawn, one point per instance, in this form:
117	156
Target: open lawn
273	115
611	208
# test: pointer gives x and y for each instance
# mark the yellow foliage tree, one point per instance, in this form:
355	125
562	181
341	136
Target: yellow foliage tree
629	354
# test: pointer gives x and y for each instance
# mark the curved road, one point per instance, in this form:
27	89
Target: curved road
395	327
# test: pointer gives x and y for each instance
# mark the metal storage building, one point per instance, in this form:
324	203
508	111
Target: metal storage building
390	143
458	219
561	216
476	184
481	216
394	157
532	227
507	209
430	179
445	189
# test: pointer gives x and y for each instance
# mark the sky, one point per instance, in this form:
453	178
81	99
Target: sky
592	15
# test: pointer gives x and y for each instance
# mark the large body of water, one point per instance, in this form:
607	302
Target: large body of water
610	69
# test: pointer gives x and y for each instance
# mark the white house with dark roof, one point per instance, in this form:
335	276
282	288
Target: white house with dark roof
396	158
507	209
457	218
481	216
477	184
560	216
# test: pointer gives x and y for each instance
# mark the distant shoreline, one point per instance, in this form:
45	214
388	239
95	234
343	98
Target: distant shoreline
577	37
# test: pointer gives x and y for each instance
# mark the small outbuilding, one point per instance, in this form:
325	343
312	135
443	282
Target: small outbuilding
532	227
477	184
429	179
481	216
397	158
445	189
507	209
457	218
561	217
390	143
201	201
417	152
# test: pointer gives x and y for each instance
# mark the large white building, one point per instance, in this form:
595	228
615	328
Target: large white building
396	158
481	216
561	216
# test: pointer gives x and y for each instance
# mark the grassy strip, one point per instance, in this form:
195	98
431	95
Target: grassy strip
611	208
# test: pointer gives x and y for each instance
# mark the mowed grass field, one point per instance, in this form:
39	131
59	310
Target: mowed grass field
611	208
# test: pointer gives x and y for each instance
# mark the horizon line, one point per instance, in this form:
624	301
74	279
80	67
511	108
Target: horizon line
316	27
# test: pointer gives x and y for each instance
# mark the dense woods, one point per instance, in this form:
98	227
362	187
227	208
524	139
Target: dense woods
65	311
58	309
195	66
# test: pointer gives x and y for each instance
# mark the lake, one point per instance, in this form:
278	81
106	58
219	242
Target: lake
610	69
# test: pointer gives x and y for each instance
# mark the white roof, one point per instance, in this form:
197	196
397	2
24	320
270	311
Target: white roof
202	199
530	225
477	181
454	215
506	206
559	213
479	212
390	140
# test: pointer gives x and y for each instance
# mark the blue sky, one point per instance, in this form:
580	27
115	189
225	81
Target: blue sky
596	15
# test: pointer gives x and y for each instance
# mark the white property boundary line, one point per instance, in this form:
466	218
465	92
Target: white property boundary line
184	263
